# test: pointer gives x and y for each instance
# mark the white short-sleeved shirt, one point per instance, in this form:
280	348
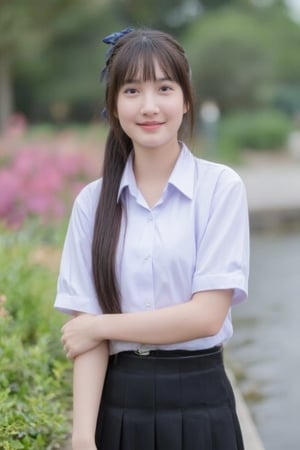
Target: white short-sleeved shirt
196	238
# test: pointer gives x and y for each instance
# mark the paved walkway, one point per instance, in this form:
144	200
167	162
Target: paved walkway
273	189
251	438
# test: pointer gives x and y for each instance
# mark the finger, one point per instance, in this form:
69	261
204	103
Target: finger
64	327
70	355
68	352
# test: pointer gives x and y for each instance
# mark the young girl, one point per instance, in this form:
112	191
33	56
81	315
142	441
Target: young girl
155	255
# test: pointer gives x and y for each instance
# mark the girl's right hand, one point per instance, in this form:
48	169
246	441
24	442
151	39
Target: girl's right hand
78	335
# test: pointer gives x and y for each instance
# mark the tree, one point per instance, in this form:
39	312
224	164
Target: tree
238	56
67	82
153	14
26	29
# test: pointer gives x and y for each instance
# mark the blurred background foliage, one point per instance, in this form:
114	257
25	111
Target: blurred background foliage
244	53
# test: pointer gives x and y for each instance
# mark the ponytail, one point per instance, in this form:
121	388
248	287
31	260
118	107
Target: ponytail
108	223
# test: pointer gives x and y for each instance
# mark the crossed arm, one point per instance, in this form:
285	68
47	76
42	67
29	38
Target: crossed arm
202	316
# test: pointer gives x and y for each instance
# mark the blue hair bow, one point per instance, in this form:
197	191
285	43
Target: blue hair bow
113	38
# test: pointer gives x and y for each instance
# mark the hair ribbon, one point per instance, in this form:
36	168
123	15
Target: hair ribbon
111	39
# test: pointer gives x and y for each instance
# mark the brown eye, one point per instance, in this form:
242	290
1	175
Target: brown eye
166	88
130	91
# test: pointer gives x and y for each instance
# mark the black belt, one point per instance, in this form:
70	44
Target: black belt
170	359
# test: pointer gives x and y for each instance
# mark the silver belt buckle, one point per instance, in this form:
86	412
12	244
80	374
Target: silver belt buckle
142	352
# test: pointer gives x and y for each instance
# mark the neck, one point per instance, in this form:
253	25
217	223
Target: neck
155	164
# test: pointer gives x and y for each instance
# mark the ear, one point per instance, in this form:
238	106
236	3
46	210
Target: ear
185	108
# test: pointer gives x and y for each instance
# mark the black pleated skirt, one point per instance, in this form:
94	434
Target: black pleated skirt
168	401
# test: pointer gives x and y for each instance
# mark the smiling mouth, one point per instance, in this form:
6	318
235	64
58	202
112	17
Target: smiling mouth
150	125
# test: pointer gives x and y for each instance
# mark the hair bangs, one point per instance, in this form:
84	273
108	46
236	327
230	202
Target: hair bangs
140	63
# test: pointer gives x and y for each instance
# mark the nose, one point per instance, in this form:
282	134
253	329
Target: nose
149	104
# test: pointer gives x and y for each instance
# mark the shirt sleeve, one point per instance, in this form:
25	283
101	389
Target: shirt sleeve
75	286
223	249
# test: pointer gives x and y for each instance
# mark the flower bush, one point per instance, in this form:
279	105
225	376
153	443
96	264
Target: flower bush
39	179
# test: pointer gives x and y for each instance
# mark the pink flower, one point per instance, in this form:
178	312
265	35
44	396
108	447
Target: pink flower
41	180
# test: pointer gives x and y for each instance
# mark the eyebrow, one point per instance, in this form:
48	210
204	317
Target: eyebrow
135	81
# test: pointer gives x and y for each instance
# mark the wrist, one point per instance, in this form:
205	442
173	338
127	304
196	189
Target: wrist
101	328
95	329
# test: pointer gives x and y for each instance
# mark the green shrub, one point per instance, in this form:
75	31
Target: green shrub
35	382
29	282
262	130
33	394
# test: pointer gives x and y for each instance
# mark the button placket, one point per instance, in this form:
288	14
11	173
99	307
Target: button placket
147	249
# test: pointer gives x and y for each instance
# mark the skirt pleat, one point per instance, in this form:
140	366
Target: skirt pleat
197	433
110	429
168	433
138	431
224	433
159	403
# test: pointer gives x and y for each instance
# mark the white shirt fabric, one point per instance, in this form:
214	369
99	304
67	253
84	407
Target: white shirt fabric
196	238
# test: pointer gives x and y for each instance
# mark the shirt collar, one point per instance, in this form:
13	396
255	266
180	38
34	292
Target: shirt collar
182	176
128	178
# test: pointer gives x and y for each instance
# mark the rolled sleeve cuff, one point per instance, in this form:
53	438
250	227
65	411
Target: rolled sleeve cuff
235	281
70	303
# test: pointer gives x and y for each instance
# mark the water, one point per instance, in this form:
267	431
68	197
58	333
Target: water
267	339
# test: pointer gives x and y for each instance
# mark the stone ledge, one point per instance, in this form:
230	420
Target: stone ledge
251	437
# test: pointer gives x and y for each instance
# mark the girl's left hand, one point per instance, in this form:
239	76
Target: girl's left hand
78	335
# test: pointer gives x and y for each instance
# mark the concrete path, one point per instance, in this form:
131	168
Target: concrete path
273	189
251	437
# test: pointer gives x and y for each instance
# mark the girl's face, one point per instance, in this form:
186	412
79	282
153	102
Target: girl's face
151	112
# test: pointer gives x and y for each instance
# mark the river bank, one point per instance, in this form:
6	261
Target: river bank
264	348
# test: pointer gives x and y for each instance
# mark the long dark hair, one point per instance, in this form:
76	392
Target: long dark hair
134	53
